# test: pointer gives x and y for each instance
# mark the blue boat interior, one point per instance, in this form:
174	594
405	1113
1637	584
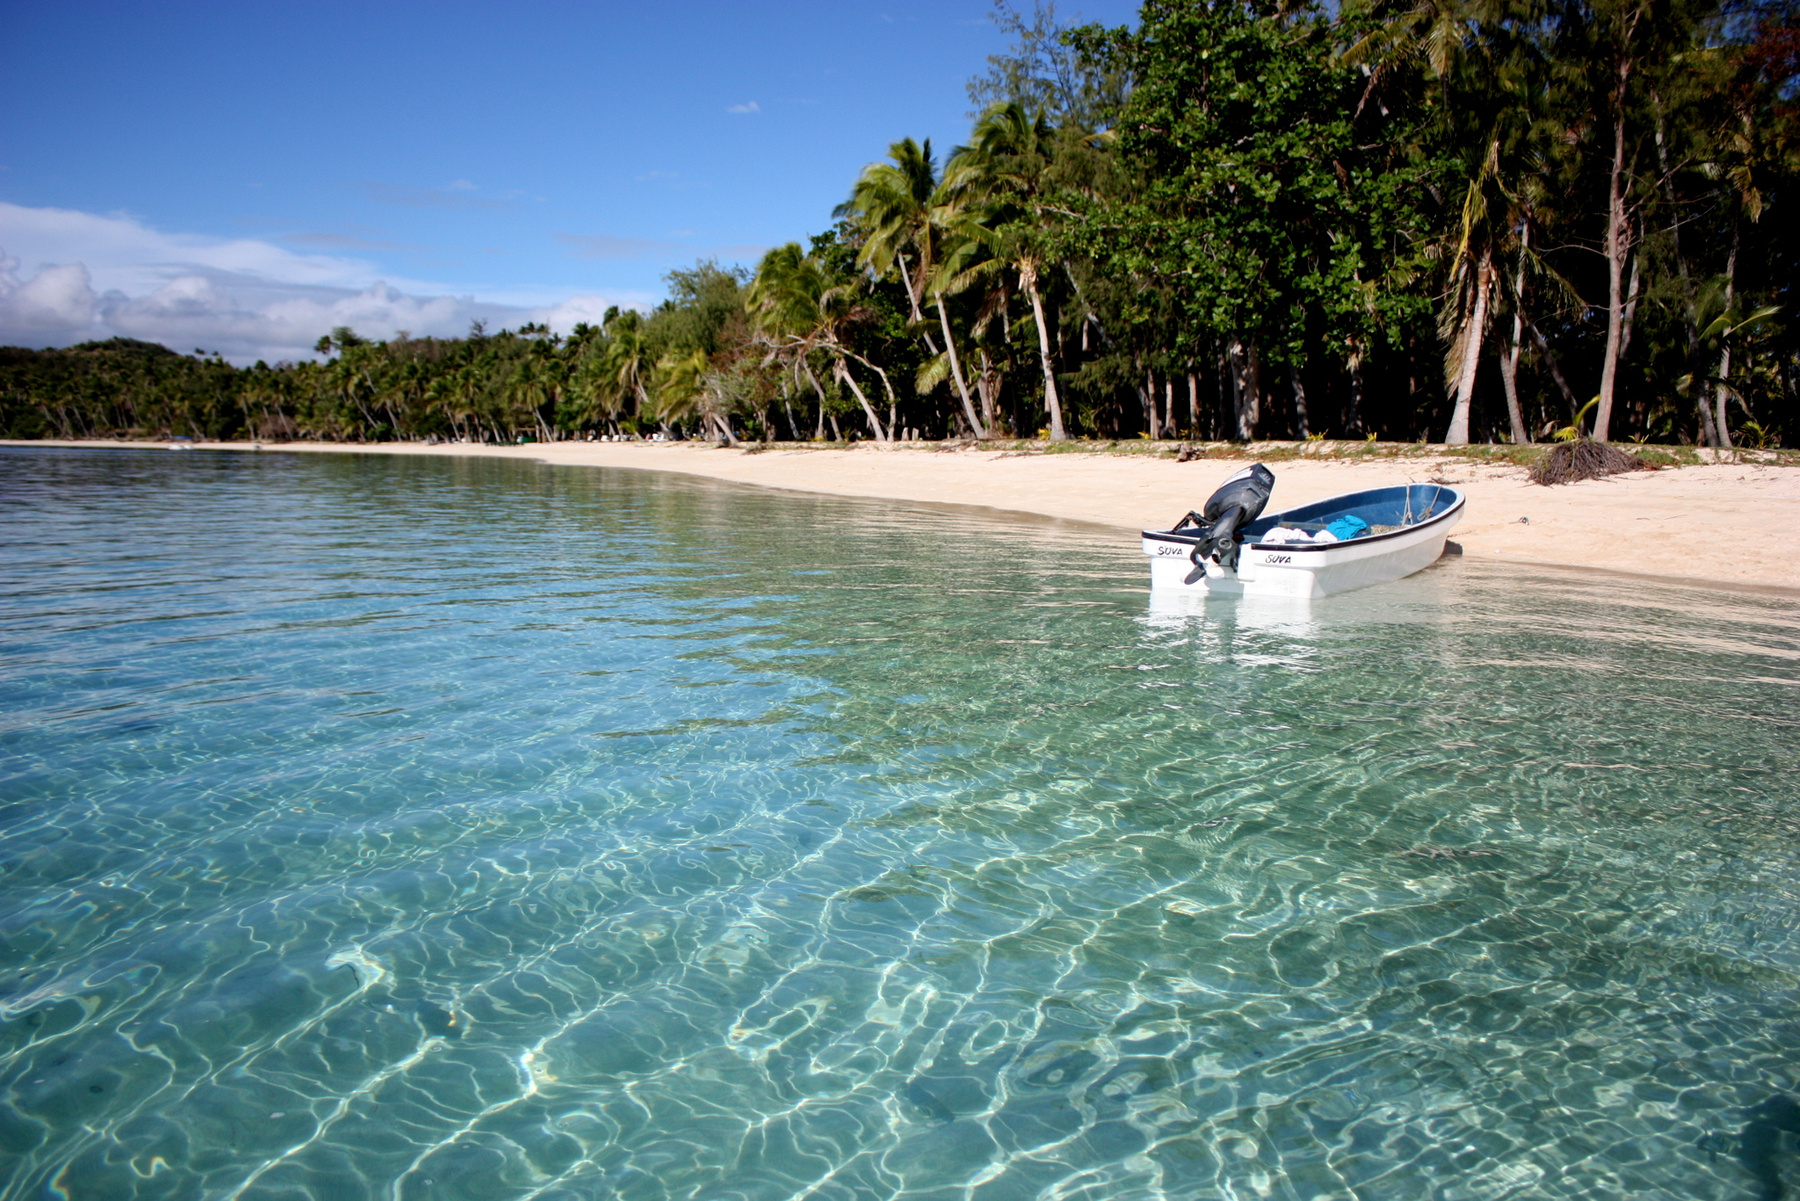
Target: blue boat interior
1402	505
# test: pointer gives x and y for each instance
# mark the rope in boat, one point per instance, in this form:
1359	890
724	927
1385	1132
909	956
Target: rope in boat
1408	519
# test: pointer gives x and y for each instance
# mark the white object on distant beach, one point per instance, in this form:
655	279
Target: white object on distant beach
1230	549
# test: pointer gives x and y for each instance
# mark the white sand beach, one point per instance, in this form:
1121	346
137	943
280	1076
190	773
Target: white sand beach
1727	523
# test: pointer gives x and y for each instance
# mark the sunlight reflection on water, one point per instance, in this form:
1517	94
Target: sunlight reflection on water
395	828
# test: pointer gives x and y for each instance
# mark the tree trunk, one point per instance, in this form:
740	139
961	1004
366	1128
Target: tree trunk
368	417
1246	387
1052	402
987	383
1723	432
912	298
1474	333
1618	239
962	387
1169	405
843	373
818	433
1722	395
1300	421
1193	404
1353	420
1629	322
1227	390
722	427
1509	378
1562	384
887	386
1509	359
1690	315
1147	396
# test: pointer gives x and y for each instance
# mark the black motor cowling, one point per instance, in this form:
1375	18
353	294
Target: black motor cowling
1237	503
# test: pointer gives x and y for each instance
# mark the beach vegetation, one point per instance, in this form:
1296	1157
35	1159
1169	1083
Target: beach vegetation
1235	221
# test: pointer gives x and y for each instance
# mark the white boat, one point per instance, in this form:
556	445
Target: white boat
1230	548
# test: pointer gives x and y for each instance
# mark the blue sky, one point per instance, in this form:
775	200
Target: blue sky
243	176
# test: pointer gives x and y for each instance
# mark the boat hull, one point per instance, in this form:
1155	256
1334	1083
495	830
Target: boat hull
1304	570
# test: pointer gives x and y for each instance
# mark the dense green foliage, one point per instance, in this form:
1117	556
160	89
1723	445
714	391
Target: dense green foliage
1454	219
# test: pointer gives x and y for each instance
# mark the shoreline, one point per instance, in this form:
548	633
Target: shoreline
1734	524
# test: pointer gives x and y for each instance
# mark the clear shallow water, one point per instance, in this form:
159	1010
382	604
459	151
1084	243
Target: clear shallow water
432	829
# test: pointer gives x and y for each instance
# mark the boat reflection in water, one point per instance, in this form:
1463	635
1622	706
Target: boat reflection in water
1425	598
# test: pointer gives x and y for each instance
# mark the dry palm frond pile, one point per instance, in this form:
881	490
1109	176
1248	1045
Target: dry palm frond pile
1584	459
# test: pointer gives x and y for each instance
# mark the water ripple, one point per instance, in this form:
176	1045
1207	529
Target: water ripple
404	830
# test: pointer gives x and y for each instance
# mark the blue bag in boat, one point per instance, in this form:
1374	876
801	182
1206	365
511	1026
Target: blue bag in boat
1347	527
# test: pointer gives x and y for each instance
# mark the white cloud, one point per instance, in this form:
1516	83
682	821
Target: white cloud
127	255
81	276
59	300
572	312
749	106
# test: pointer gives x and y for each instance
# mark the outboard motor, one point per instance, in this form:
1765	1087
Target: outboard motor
1237	503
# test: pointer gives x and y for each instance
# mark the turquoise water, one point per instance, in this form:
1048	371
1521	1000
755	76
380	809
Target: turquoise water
408	829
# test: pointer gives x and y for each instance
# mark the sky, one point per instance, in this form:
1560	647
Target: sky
242	177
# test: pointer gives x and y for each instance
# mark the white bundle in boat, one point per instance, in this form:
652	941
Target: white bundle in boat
1283	533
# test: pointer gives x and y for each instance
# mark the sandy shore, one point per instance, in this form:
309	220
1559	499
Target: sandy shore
1723	523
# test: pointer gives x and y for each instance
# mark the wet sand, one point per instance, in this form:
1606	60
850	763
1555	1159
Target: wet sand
1727	523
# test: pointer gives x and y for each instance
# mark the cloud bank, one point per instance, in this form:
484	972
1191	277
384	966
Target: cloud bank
68	277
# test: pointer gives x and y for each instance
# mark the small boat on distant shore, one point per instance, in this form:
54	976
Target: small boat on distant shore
1331	545
181	442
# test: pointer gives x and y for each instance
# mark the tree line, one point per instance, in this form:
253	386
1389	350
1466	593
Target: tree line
1458	220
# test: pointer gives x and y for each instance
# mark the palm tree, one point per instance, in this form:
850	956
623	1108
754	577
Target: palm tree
624	366
596	392
533	386
1476	71
897	205
797	307
1463	320
969	266
999	182
1617	42
1727	328
679	386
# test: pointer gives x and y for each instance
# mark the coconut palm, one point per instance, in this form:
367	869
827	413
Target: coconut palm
1463	319
897	206
797	308
1728	326
1000	184
595	391
624	366
679	388
969	268
533	387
